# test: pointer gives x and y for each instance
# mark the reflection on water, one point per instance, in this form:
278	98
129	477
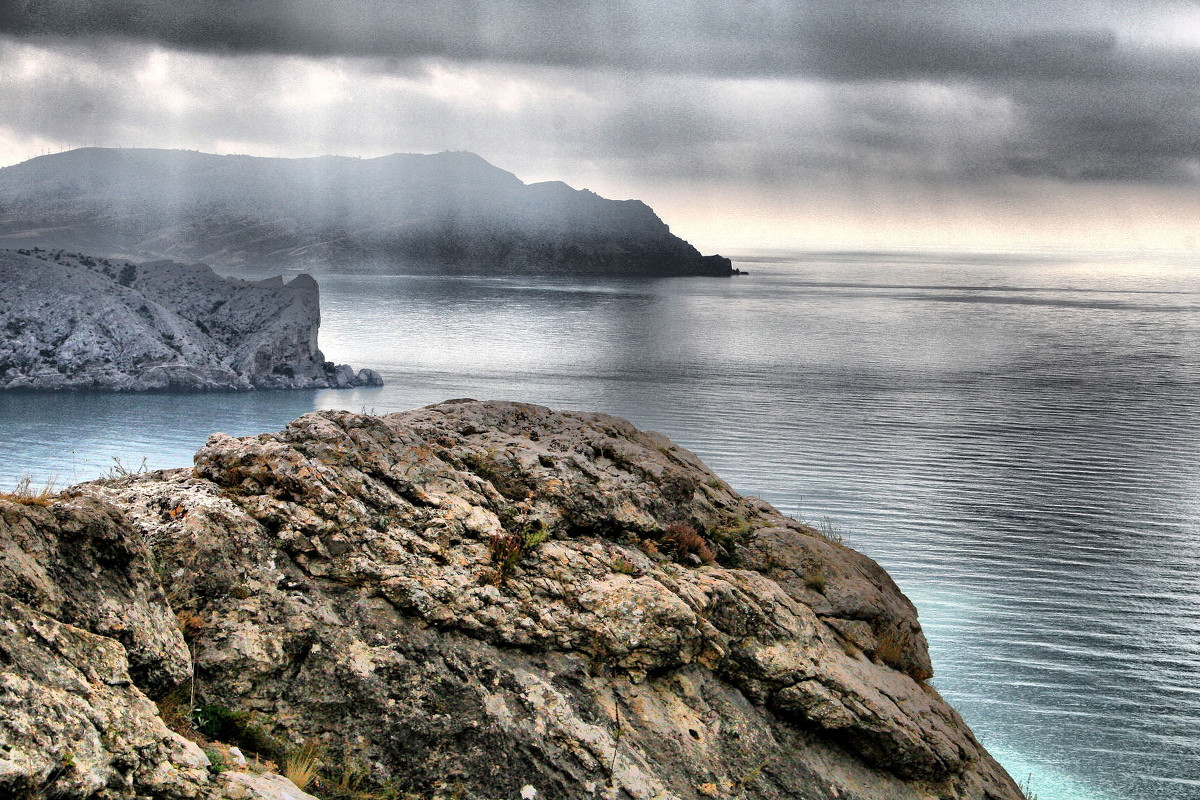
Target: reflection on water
1016	440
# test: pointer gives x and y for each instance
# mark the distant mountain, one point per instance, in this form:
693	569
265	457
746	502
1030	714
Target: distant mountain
445	213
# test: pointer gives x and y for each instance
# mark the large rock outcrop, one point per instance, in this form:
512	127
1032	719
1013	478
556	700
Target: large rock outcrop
70	321
449	213
476	600
86	637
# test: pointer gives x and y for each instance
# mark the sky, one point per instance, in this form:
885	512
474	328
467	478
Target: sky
746	124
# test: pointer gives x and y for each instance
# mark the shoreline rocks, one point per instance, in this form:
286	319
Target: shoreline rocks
77	322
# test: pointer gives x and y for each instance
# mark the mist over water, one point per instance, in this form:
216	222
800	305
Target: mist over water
1017	440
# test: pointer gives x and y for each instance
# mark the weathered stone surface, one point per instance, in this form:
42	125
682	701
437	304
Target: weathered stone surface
473	598
80	604
73	725
79	561
75	322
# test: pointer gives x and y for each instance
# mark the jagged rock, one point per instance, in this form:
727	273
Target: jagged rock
72	724
480	599
78	561
76	322
80	604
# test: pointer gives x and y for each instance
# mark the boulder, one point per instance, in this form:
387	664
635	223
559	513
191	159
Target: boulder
481	600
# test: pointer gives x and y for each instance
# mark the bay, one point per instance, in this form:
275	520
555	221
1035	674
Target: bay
1015	438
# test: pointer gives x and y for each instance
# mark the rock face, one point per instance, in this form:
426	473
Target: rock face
77	322
451	213
479	600
85	633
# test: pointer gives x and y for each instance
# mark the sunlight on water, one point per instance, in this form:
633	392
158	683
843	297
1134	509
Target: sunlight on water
1017	440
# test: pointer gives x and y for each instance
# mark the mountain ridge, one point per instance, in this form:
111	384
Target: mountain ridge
450	212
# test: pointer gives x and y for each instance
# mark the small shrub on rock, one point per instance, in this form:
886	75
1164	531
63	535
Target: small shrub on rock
682	540
623	566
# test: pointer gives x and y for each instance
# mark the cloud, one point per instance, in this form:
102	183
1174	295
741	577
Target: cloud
761	92
855	40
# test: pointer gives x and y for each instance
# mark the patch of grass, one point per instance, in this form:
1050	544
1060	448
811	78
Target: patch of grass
27	494
512	545
830	531
174	709
737	527
119	470
730	536
302	764
1026	787
815	581
352	780
239	728
532	538
216	761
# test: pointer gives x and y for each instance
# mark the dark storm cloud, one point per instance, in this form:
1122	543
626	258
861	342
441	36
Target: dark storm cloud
955	90
863	40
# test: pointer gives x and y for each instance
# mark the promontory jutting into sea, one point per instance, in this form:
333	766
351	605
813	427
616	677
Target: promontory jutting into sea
336	576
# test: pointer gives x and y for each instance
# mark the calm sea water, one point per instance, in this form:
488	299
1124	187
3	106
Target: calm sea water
1016	439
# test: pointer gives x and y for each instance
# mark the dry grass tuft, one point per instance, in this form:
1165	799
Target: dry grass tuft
831	532
175	709
892	648
191	624
302	765
507	549
25	493
816	581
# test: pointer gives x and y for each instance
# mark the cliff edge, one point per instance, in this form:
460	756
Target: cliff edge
71	321
482	600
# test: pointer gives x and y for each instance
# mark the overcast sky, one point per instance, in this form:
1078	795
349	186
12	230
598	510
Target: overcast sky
743	123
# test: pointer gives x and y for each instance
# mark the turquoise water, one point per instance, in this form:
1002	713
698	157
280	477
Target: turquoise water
1017	440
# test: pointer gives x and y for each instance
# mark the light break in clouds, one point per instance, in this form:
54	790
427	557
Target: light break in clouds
751	123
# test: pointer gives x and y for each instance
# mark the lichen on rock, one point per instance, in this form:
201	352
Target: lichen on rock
482	599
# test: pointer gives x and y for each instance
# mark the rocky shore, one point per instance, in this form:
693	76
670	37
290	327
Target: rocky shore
71	321
470	600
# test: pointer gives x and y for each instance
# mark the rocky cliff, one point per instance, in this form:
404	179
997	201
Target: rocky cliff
445	213
470	600
69	321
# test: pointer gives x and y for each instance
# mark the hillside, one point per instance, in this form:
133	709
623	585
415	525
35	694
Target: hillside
448	213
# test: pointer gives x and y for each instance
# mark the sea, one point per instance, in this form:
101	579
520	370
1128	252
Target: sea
1015	437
